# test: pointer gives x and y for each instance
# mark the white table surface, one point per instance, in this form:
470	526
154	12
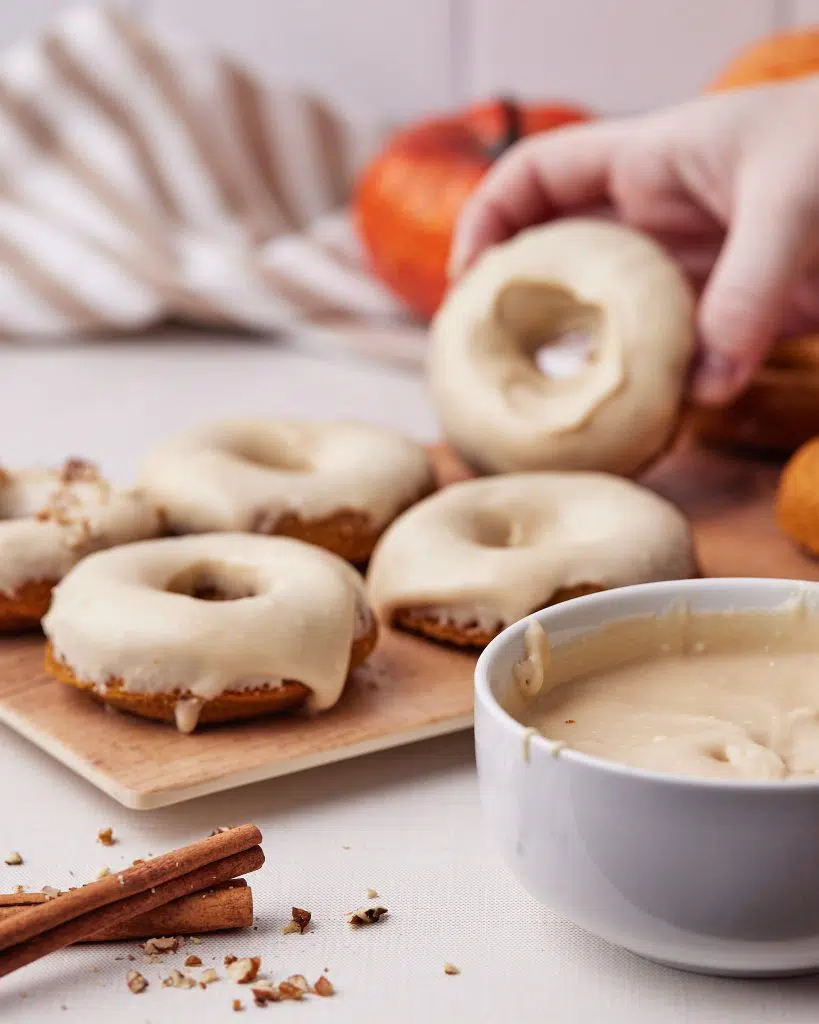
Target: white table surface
405	822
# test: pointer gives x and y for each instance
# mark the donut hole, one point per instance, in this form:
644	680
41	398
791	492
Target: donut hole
555	330
215	581
270	453
492	528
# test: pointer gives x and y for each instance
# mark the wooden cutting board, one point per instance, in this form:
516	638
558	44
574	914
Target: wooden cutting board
408	690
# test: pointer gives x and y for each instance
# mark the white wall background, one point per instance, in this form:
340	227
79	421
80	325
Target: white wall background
402	57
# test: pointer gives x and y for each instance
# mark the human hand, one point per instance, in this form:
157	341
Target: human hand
728	184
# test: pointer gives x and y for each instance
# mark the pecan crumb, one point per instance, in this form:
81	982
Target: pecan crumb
237	1006
366	915
193	961
78	469
136	982
196	940
176	979
323	987
163	945
372	894
18	889
106	836
103	872
266	993
299	921
14	858
287	990
208	977
50	891
299	981
219	829
229	959
451	969
244	969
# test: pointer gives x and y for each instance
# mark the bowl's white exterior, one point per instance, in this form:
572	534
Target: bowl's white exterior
705	875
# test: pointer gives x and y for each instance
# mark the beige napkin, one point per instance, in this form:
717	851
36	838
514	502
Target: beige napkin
143	179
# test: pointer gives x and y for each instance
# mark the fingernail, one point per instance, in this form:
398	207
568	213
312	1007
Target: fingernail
717	378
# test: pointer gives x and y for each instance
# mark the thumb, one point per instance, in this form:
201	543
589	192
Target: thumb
745	301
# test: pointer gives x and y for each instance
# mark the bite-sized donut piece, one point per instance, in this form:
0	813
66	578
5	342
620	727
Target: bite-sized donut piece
797	499
210	628
336	485
621	409
49	520
777	412
477	556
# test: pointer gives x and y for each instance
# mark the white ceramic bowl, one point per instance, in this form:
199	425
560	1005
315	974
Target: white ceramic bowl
711	876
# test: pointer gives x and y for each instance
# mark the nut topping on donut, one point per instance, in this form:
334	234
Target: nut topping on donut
75	469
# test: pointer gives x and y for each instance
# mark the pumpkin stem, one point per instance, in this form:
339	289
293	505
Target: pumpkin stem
512	128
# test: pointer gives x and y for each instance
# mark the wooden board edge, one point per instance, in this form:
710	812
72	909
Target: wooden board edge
139	800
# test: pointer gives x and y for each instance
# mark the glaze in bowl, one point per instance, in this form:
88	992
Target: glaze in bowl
707	875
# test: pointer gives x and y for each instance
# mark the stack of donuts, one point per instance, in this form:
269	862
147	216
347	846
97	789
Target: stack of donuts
228	583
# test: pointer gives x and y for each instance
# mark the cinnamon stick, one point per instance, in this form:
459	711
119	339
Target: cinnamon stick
220	908
81	913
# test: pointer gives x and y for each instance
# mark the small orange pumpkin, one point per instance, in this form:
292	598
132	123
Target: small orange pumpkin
408	199
773	59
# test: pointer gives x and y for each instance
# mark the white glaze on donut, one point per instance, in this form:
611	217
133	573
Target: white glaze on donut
295	612
494	550
246	474
50	519
621	409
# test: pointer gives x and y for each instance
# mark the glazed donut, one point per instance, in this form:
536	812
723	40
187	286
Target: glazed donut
778	411
49	520
336	485
473	558
210	629
622	408
797	498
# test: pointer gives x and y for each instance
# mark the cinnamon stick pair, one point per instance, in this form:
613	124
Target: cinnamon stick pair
220	908
96	908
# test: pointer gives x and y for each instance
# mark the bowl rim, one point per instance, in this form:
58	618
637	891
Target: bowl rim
486	700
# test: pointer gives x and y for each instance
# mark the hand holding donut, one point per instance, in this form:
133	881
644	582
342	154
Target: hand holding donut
728	184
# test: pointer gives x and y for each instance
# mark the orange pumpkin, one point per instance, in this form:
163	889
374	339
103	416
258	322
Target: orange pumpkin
409	198
773	59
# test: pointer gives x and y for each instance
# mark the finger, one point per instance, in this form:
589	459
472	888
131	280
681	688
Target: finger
558	171
746	298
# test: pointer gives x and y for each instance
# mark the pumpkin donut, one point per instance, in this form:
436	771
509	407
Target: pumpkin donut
797	499
501	413
336	485
49	520
467	562
210	629
778	411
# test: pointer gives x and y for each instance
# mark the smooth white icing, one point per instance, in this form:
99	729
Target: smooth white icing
502	413
506	545
113	617
246	474
49	521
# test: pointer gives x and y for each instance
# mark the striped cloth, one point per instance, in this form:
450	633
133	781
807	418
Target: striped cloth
143	180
